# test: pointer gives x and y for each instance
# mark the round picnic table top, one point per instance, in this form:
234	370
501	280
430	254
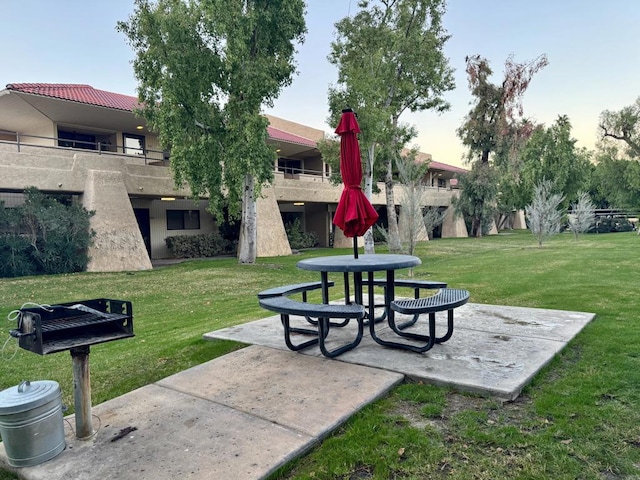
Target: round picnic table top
364	263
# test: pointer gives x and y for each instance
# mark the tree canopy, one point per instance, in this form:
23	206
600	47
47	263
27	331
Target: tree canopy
496	107
615	181
552	153
205	69
616	177
623	125
494	125
390	60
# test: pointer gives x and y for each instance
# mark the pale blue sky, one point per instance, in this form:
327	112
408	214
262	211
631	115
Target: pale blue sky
593	49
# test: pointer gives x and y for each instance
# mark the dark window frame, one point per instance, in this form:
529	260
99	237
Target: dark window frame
183	219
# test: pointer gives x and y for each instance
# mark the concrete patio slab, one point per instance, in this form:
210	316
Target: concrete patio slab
495	350
312	395
240	416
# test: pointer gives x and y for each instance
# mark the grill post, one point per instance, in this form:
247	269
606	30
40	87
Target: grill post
82	391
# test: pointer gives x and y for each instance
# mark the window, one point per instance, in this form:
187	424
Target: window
8	136
289	166
133	144
183	220
73	139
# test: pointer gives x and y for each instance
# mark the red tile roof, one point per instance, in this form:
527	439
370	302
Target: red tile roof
82	93
78	93
276	134
448	168
87	94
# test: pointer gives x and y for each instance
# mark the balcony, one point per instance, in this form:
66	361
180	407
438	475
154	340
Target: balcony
135	154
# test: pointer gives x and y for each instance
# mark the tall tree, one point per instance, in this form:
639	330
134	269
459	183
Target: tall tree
623	125
476	186
411	175
390	60
494	122
205	70
497	107
552	153
615	182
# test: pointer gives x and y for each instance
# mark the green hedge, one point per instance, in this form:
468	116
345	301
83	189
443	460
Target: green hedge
197	246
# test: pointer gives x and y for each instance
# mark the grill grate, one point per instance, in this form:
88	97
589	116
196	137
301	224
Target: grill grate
84	320
70	325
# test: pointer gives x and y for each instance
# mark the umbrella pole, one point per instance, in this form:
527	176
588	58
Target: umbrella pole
355	246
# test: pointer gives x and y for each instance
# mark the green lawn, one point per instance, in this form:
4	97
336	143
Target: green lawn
579	418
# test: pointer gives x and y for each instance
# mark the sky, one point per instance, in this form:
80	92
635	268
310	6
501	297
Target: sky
593	48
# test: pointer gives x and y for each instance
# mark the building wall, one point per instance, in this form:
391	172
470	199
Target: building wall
158	221
11	199
318	221
145	179
40	133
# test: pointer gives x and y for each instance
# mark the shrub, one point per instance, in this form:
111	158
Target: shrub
379	234
543	215
299	239
48	234
196	246
582	215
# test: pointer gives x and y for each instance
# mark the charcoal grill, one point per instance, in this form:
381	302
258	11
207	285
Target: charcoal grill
77	324
75	327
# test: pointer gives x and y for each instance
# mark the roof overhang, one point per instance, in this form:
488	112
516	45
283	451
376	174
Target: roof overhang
18	109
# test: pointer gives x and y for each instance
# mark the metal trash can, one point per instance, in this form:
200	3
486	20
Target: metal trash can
31	422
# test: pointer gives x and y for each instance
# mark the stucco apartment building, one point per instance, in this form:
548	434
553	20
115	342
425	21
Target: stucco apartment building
74	139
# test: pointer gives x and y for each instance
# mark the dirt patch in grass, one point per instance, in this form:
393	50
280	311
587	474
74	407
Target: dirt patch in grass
363	472
498	412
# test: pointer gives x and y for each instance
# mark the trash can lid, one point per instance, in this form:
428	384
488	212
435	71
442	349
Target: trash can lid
28	395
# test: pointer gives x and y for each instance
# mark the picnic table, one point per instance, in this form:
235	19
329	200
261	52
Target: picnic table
363	309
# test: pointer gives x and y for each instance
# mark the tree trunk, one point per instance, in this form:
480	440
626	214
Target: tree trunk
247	251
395	246
369	244
476	224
395	243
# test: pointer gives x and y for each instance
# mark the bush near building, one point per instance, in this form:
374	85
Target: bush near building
47	234
199	246
299	239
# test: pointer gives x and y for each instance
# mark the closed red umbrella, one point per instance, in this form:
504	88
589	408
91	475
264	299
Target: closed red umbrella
355	214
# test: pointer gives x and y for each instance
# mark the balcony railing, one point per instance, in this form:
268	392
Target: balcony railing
155	157
150	156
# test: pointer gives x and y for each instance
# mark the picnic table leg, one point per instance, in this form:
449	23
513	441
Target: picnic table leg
284	318
357	285
347	294
389	295
324	278
324	325
446	336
